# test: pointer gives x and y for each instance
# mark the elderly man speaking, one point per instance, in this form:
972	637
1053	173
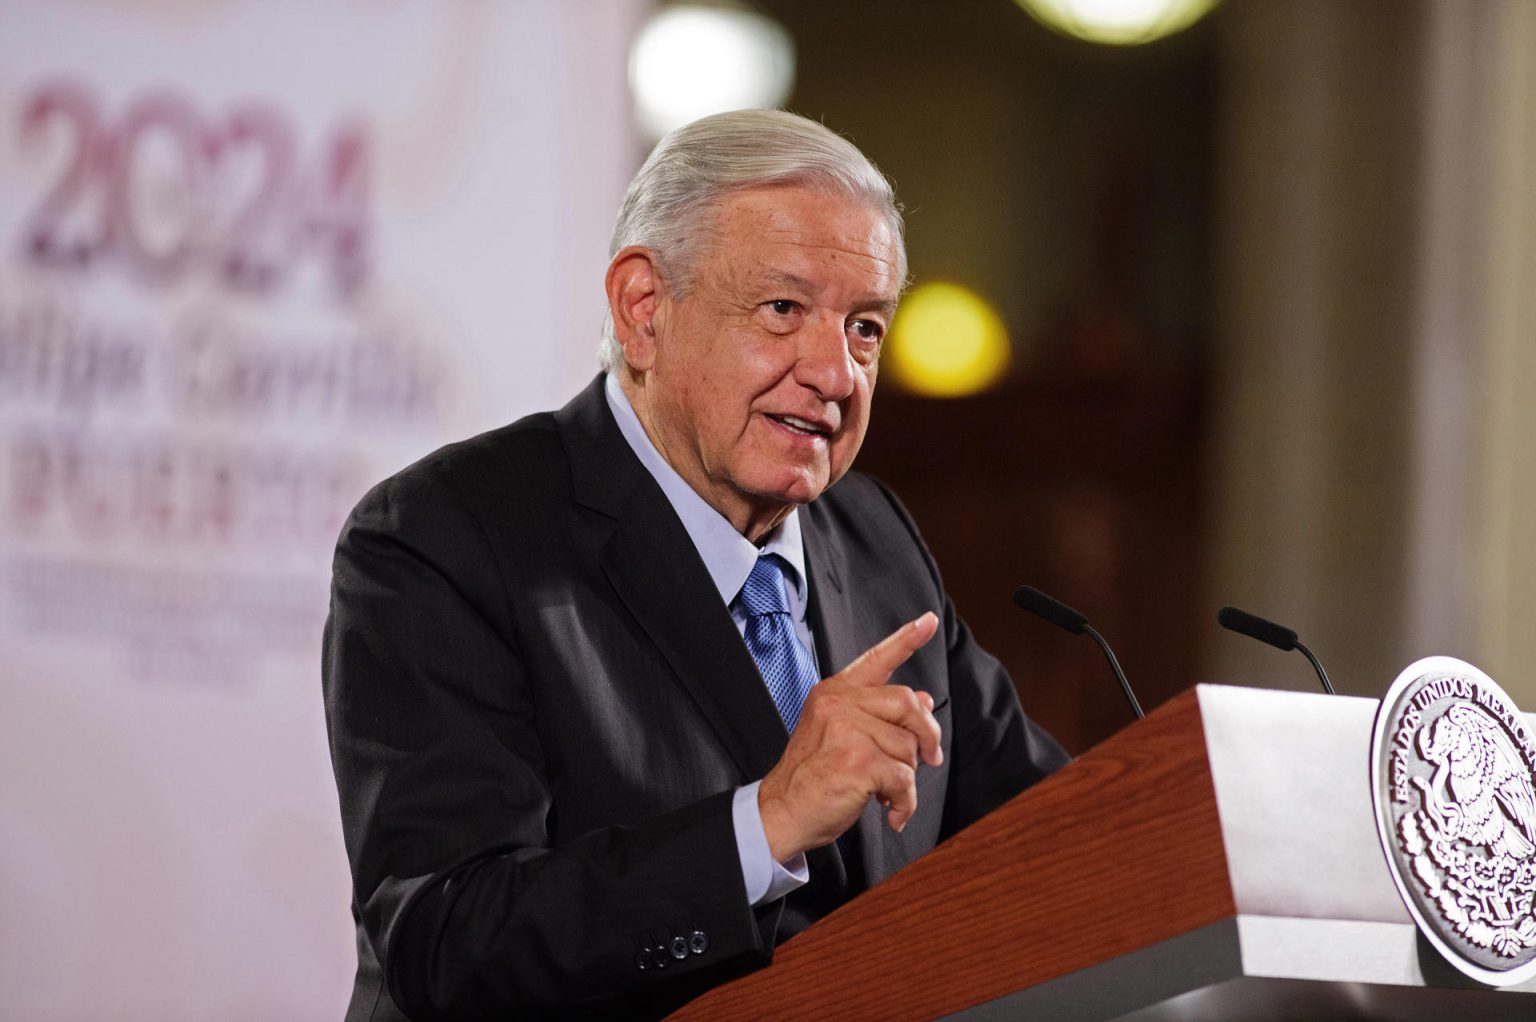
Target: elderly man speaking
623	695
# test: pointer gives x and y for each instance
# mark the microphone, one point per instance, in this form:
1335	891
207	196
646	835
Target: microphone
1062	616
1278	636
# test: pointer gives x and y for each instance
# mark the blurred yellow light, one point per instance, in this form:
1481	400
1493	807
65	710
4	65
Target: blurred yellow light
946	342
1120	22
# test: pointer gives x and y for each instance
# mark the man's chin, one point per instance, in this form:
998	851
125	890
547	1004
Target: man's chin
800	488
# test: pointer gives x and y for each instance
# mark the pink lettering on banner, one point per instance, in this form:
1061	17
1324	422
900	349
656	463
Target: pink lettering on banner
199	364
254	257
164	190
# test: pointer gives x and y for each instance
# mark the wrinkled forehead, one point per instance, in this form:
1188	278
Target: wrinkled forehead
810	213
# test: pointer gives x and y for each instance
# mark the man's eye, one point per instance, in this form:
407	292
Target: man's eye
782	306
868	329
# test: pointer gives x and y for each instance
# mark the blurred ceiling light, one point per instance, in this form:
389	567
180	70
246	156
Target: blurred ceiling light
1120	22
946	342
692	60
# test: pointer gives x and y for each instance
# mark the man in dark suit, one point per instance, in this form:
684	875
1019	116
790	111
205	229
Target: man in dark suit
585	762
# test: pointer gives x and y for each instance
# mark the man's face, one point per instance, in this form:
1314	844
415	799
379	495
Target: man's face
760	389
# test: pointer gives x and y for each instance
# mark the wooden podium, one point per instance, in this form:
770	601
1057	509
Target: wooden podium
1218	860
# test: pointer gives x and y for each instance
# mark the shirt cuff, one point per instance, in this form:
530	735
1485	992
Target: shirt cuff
765	878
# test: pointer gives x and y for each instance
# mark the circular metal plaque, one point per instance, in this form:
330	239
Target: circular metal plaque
1453	766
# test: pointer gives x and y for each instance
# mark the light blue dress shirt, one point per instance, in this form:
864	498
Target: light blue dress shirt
729	557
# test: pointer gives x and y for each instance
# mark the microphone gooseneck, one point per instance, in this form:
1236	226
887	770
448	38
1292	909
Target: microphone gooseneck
1317	666
1062	616
1268	632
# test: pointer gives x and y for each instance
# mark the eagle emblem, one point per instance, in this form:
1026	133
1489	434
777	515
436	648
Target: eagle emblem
1455	796
1480	790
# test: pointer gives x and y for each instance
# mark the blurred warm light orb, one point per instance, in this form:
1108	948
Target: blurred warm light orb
1119	22
692	60
946	342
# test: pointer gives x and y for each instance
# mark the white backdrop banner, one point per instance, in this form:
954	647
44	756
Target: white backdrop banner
254	256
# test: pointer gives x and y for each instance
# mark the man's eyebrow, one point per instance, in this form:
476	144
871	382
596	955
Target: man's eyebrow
795	282
783	278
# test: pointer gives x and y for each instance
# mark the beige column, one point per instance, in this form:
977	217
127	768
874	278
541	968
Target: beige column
1313	404
1505	514
1375	385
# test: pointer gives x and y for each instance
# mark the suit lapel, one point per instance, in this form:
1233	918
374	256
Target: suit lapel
662	580
832	616
657	573
839	635
844	629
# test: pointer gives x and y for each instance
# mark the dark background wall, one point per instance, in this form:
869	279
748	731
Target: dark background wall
1070	185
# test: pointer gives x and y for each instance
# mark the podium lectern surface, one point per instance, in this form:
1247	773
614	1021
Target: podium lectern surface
1216	860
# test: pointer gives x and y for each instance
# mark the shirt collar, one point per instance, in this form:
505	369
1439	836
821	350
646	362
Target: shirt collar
727	554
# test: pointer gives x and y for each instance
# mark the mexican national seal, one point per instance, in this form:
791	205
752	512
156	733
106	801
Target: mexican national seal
1454	766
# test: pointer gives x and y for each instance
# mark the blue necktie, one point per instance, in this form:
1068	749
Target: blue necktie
782	659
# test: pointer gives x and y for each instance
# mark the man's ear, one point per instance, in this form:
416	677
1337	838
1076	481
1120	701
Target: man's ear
634	294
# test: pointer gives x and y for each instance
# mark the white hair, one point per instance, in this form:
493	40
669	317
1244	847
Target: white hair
670	205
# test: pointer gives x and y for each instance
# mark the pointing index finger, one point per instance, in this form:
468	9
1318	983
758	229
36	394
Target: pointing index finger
875	665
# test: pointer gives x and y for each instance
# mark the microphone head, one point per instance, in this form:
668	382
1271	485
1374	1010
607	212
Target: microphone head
1054	611
1255	627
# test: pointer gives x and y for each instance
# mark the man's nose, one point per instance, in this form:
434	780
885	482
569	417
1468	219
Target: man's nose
825	363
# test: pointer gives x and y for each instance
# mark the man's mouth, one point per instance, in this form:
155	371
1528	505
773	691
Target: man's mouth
804	427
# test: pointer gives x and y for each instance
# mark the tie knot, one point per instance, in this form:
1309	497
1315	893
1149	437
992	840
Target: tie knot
763	592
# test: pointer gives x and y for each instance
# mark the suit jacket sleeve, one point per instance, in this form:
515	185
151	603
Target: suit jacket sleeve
446	803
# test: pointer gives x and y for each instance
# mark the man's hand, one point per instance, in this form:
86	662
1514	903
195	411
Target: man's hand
857	737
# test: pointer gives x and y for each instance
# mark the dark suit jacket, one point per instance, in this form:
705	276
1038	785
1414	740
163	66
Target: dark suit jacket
539	710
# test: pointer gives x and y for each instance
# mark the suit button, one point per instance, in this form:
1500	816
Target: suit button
643	959
698	943
679	948
658	956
